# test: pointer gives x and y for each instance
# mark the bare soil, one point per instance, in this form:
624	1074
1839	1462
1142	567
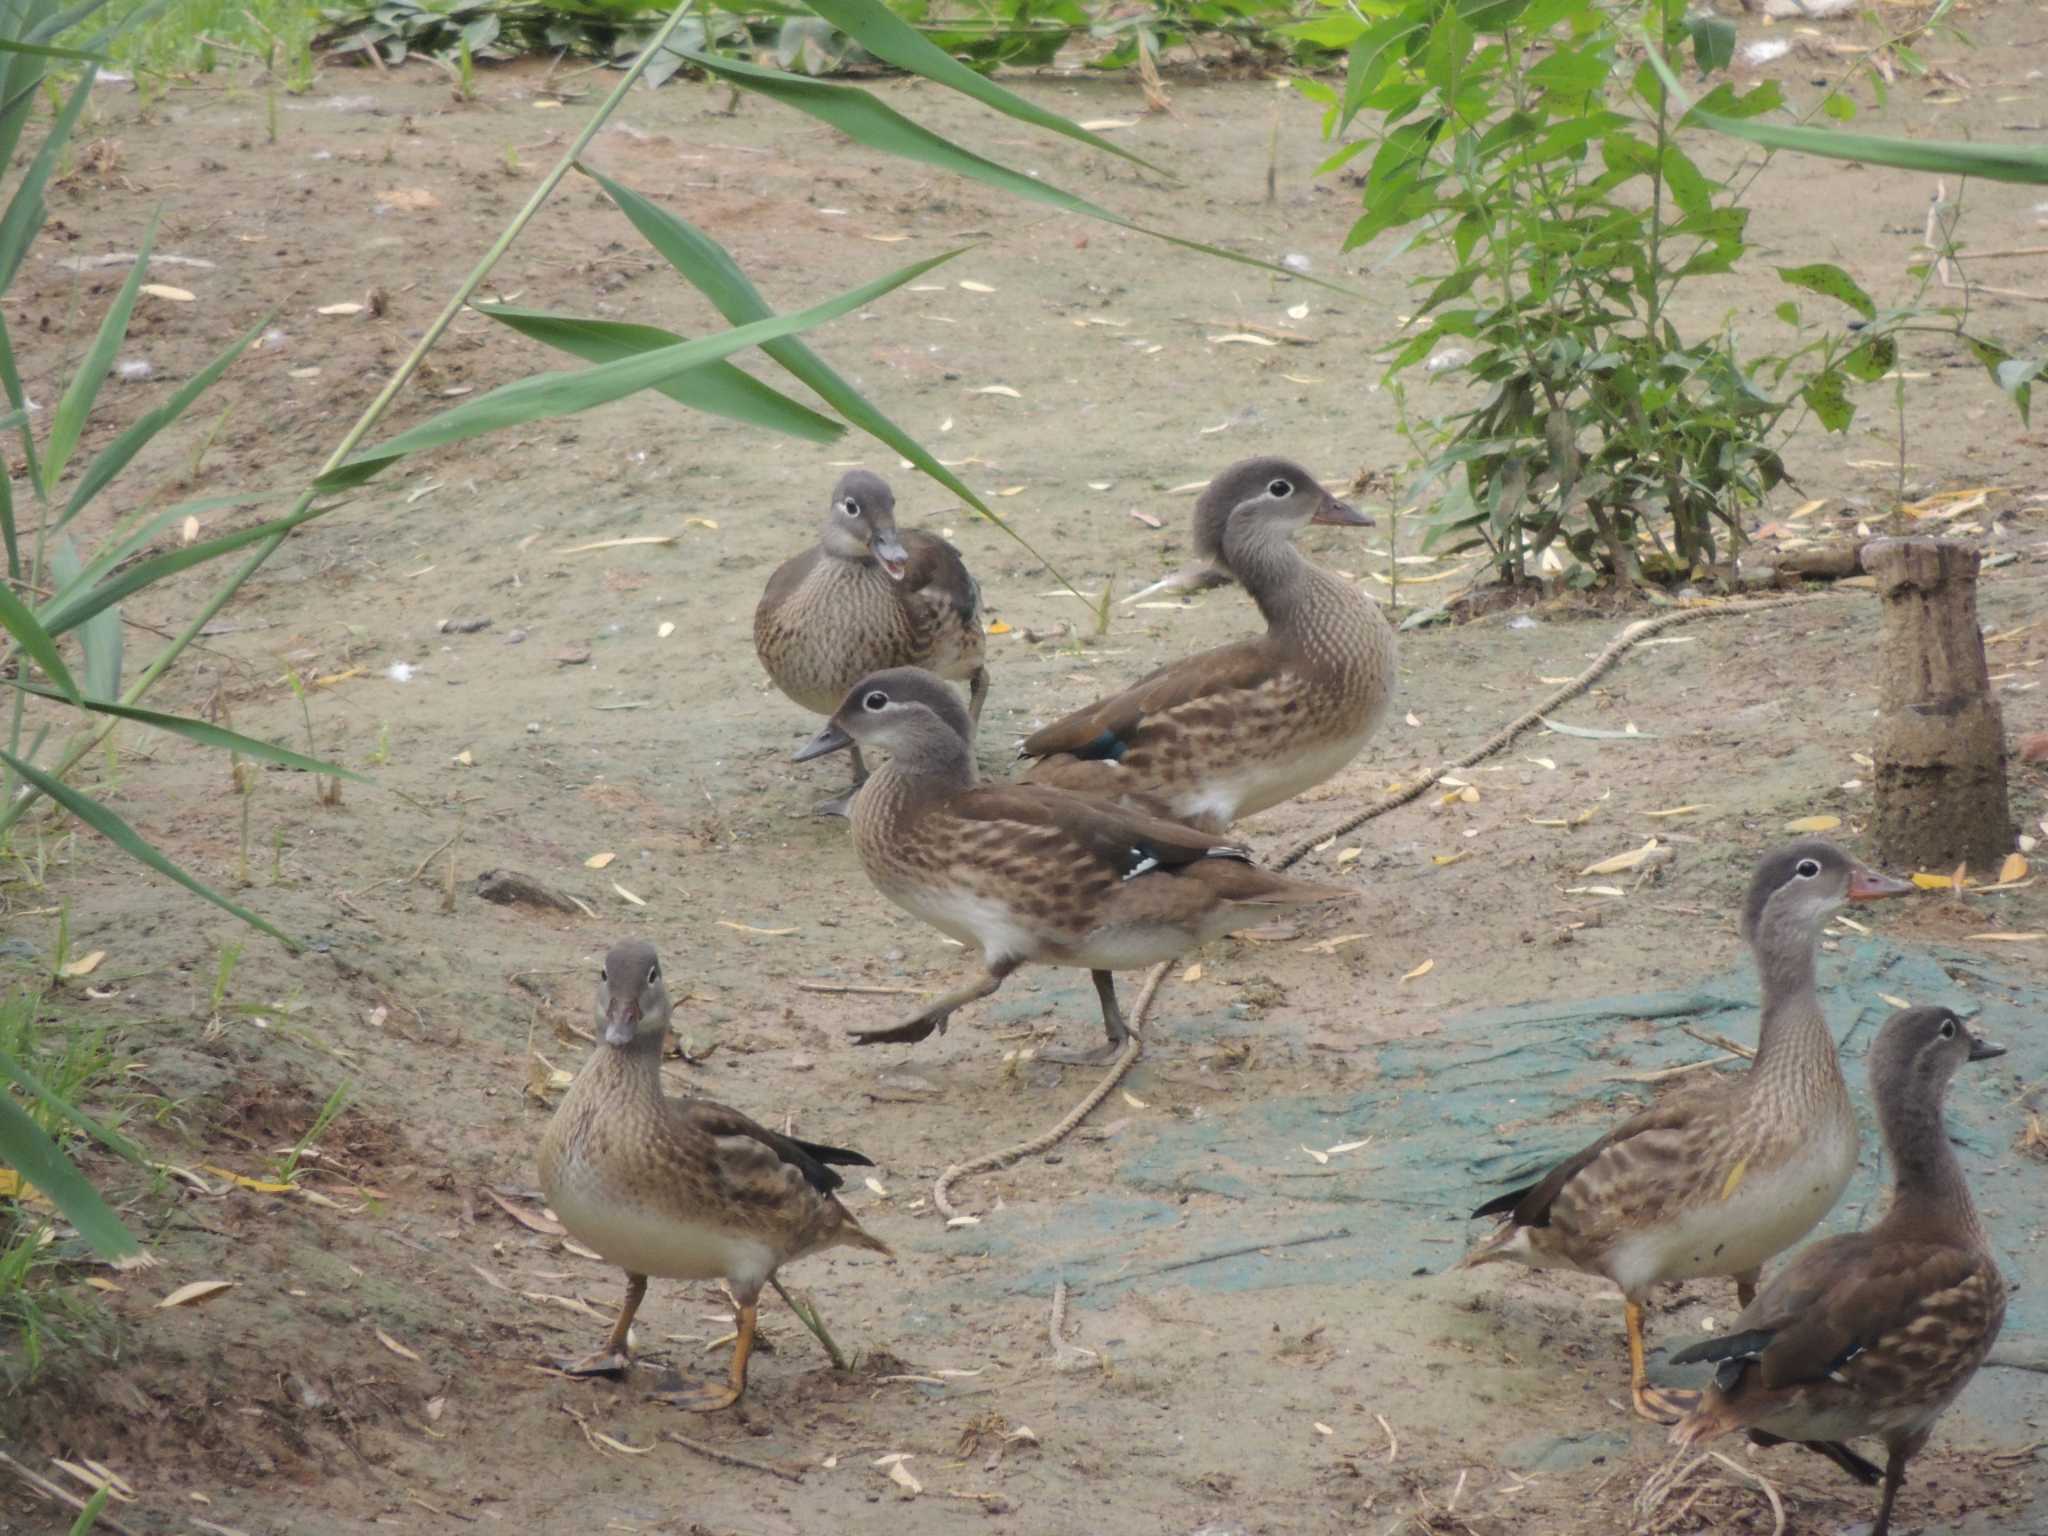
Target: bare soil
375	1363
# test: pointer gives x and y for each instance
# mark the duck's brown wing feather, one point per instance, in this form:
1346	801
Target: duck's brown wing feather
1533	1205
787	578
938	574
1106	728
738	1135
1129	843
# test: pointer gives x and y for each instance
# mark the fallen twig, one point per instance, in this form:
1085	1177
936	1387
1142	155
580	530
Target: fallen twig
63	1495
729	1459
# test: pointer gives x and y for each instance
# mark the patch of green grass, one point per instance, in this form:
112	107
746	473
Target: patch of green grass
197	36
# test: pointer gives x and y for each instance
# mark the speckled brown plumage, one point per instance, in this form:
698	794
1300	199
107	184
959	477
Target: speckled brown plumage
1028	873
1229	732
868	596
680	1189
1876	1332
1717	1178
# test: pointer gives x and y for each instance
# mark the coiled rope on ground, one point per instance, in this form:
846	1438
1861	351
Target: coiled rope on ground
1629	638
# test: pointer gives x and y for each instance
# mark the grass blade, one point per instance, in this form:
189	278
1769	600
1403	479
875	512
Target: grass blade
45	51
99	636
60	615
207	734
35	642
25	210
868	120
10	379
41	1162
67	422
129	841
32	1087
884	34
718	388
561	394
122	547
710	267
115	456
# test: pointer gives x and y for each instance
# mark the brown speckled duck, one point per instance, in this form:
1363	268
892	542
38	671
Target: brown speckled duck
682	1189
1229	732
1716	1179
867	596
1027	872
1876	1332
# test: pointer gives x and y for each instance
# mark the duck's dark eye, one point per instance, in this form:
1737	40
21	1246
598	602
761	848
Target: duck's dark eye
1280	490
653	974
1807	869
874	701
1948	1029
603	975
850	507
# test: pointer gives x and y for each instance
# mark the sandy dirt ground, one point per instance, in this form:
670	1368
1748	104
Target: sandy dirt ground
1272	1342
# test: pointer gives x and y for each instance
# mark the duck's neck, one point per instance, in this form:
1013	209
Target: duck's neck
1929	1192
635	1067
932	765
1794	1038
1292	592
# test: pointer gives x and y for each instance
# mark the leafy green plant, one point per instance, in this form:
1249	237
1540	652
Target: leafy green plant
1548	174
286	1167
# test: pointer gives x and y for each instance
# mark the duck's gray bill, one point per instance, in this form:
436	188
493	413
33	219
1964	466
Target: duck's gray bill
1983	1050
830	739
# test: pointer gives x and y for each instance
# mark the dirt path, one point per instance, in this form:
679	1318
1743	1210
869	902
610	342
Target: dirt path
373	1364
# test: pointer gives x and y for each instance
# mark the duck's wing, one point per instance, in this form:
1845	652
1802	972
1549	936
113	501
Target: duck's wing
1040	823
938	575
1107	728
787	578
757	1163
1887	1310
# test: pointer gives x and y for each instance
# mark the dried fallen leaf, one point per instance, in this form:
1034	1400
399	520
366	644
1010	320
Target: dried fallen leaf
1896	1002
1420	971
1245	338
1105	124
1193	972
341	309
1134	1101
1349	1146
973	287
626	895
996	389
2006	938
85	964
609	1443
1679	810
900	1475
642	538
1635	858
2014	868
198	1290
1321	1157
166	291
764	933
1297	311
664	629
1548	763
188	530
464	759
1442	859
1928	882
1814	824
598	860
1323	1429
394	1346
546	1226
1345	856
876	1186
962	1221
1411	718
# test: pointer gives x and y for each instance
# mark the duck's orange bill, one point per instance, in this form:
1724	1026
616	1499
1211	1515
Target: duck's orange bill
1869	885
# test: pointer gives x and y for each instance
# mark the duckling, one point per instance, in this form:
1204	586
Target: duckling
866	596
682	1189
1227	733
1876	1332
1027	872
1715	1180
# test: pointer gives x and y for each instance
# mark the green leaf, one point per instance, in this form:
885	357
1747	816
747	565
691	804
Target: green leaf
42	1163
70	612
712	270
24	216
545	395
867	120
1713	42
129	841
99	636
879	30
35	641
1824	277
1829	398
717	388
145	526
67	421
1841	108
114	458
209	735
34	1088
1871	359
1787	312
45	51
90	1511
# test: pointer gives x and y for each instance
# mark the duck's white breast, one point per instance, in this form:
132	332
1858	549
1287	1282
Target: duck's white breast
663	1244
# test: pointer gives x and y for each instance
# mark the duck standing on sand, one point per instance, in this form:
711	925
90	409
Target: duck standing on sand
1028	873
866	596
1876	1332
1717	1179
1229	732
682	1189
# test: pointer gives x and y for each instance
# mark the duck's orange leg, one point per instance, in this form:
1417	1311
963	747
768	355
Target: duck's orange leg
708	1397
1661	1405
617	1351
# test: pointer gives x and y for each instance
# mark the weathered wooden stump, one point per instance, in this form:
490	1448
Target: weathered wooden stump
1940	746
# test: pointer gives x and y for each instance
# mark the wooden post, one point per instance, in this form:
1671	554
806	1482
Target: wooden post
1940	744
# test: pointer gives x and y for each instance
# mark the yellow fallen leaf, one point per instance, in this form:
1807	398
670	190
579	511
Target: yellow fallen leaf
393	1345
85	964
1134	1101
598	860
973	287
166	291
2006	938
999	628
260	1186
764	933
1928	882
198	1290
10	1183
464	759
1896	1002
1420	971
627	895
700	522
609	1443
340	309
1346	855
1679	810
1814	824
1547	763
1193	972
1011	490
102	1283
1441	859
2014	868
1635	858
1105	124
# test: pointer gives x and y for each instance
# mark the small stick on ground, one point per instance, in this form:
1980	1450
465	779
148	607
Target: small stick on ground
855	989
730	1460
807	1313
1393	1440
1721	1043
1065	1356
63	1495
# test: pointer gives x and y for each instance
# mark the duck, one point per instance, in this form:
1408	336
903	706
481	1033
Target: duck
1717	1179
1230	732
681	1189
1030	873
1875	1332
866	596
